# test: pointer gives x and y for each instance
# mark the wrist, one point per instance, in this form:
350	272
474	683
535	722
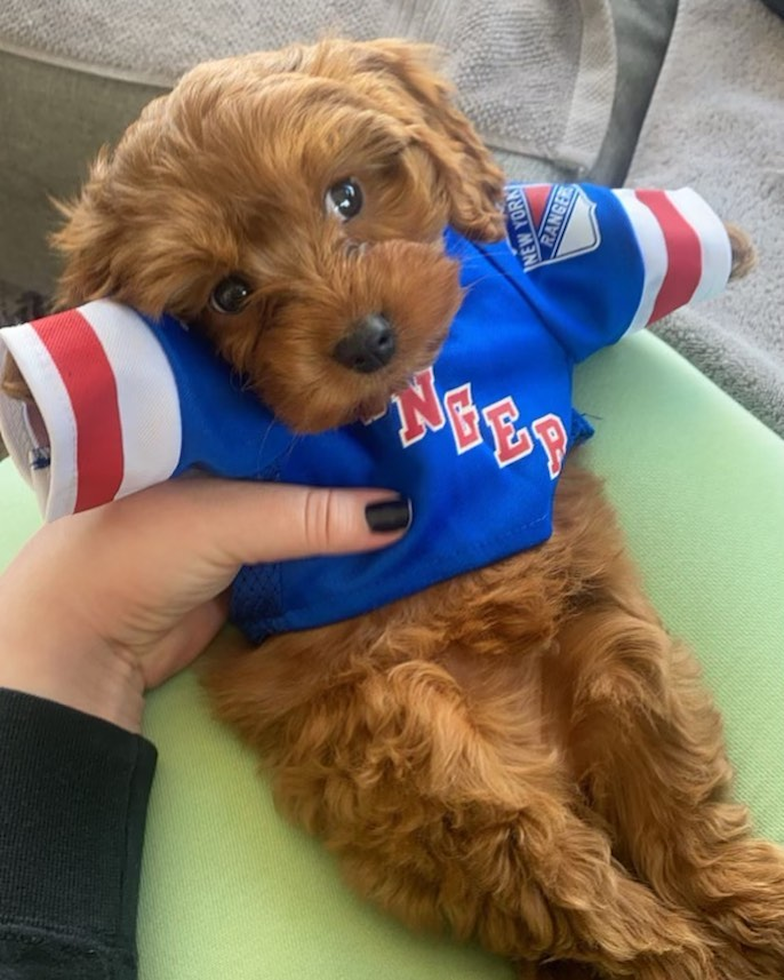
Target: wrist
73	668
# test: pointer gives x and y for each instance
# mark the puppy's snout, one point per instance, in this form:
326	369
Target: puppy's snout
369	347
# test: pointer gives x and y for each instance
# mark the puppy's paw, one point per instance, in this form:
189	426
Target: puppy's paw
744	255
13	384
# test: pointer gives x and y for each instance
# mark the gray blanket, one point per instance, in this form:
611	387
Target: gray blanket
716	122
537	76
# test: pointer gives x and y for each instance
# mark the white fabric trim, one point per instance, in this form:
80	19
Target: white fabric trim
650	238
55	484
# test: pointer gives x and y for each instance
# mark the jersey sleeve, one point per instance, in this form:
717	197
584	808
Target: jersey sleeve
105	420
120	403
602	263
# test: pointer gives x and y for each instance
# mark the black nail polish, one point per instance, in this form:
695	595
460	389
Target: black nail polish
389	515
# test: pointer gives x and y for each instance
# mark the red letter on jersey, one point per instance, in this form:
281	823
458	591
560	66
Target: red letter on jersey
419	408
510	444
463	418
551	434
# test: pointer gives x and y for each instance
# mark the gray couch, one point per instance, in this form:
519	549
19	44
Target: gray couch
566	89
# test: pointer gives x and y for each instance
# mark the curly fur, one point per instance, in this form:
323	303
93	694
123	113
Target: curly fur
522	755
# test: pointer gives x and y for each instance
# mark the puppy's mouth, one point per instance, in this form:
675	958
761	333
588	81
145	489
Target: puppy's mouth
340	352
418	293
376	403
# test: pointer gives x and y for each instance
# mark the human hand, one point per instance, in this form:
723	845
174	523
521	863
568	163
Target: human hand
100	606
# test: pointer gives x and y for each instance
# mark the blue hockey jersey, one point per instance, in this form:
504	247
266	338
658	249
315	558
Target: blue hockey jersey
477	441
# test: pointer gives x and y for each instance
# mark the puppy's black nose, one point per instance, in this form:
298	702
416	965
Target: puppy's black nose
369	347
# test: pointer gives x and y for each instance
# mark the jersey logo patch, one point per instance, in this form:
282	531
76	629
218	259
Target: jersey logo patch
549	223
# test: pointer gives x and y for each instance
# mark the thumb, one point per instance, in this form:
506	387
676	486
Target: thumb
185	641
263	522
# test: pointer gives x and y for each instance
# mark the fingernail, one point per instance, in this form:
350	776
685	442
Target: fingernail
389	515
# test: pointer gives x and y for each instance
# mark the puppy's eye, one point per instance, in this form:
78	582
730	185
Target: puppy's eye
345	199
230	295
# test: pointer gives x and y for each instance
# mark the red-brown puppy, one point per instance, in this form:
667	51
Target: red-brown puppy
522	754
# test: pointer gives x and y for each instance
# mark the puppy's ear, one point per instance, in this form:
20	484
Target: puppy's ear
472	179
88	239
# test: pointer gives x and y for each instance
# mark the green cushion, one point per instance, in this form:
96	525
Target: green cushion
230	890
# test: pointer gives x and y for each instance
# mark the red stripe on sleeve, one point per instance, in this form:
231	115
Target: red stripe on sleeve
684	254
89	380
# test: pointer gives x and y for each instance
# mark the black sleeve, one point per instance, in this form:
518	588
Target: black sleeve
73	801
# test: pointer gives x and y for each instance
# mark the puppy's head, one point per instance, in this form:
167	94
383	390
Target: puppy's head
292	206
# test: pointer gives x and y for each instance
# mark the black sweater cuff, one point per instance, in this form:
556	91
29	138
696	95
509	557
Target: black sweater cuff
73	799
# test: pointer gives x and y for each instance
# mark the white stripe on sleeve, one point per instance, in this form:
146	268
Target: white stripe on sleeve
52	475
650	238
147	396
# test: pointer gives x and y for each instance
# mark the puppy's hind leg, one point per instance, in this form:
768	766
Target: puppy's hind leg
446	801
456	814
647	747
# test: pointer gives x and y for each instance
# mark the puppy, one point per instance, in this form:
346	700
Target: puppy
519	754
